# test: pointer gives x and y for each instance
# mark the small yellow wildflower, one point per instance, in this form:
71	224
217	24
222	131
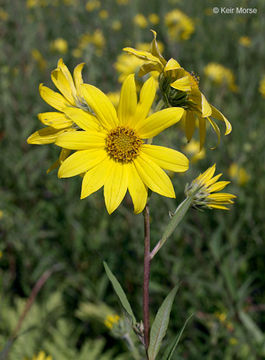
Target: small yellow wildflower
32	3
37	56
193	149
221	316
111	320
220	75
41	356
140	20
154	19
180	26
60	45
245	41
239	174
110	150
181	88
103	14
77	53
262	86
204	188
229	326
92	5
122	2
3	15
233	341
1	254
116	25
1	214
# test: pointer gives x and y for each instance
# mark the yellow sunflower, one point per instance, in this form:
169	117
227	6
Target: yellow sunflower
180	88
205	188
57	122
110	148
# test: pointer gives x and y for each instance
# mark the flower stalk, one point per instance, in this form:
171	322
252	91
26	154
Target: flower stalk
146	276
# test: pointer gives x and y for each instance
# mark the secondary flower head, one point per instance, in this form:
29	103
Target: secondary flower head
57	122
110	148
181	88
204	191
220	75
180	26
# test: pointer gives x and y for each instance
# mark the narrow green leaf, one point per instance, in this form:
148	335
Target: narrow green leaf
172	347
120	292
252	327
159	327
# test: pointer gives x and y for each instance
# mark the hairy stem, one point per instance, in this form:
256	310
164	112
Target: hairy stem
146	275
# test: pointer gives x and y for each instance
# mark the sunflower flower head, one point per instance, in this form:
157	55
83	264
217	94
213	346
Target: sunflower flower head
40	356
180	88
111	149
69	95
204	190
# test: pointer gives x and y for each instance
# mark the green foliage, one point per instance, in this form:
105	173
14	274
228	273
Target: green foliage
120	293
160	324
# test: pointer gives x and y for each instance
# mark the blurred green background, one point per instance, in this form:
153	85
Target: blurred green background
216	256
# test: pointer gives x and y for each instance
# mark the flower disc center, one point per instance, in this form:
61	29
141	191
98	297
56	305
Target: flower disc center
122	144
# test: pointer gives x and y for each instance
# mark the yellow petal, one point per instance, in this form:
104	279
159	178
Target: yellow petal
158	121
115	186
148	67
221	197
81	140
78	77
218	186
172	64
145	55
182	84
53	98
137	189
190	119
206	107
155	50
202	129
207	175
166	158
153	176
67	75
147	96
128	100
221	207
101	105
56	120
219	116
80	162
43	136
62	85
82	118
95	178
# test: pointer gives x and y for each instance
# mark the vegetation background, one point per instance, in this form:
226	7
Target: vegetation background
217	257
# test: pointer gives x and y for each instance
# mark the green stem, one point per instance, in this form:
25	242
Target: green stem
131	346
175	220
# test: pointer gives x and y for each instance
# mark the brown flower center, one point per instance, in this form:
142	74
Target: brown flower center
122	144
